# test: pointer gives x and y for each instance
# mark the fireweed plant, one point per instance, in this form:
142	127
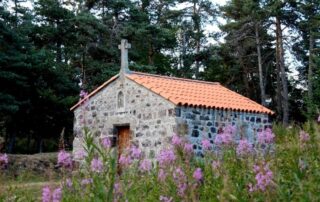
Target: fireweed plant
277	167
282	165
3	161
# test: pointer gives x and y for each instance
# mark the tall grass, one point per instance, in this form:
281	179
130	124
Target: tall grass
286	170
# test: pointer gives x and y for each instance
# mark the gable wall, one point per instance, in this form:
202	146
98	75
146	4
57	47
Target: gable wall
151	117
201	123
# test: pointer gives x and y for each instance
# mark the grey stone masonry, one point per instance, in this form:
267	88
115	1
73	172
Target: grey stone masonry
202	123
151	117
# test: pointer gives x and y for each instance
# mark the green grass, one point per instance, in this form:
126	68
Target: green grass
23	191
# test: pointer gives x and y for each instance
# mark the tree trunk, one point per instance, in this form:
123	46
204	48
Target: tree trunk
59	52
82	63
196	21
279	89
58	46
283	76
39	145
183	64
16	11
103	9
244	68
150	54
12	142
310	73
262	86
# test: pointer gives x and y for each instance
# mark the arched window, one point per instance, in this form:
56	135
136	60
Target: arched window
120	100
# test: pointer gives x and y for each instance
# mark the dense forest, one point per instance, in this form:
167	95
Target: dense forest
268	50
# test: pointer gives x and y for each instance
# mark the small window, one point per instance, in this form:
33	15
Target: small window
120	100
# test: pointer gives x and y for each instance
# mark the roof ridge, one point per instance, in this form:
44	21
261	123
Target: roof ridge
176	78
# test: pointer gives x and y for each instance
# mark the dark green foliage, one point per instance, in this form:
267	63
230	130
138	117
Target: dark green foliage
46	51
36	93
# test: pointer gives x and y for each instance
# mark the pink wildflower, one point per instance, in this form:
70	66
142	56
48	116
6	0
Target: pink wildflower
319	118
263	177
188	148
166	157
230	129
3	159
223	139
68	183
135	152
180	180
266	136
302	164
83	94
162	175
206	144
244	147
251	187
85	182
197	174
145	165
256	168
46	194
178	174
125	160
57	195
105	142
215	164
176	140
96	165
80	154
182	187
304	137
64	159
165	199
117	188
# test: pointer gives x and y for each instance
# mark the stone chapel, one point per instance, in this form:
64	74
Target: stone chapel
145	110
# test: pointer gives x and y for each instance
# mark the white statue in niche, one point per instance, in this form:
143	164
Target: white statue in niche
120	100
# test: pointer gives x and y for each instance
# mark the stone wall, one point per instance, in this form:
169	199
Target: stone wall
42	165
199	123
151	118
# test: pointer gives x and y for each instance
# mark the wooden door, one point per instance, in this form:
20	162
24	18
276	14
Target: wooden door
123	139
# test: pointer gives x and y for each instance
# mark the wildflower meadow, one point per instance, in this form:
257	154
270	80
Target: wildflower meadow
282	166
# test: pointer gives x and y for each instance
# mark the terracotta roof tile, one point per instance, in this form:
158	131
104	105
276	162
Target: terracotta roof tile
197	93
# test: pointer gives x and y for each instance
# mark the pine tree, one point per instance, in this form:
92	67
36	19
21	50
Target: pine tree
192	41
306	49
283	16
248	49
39	86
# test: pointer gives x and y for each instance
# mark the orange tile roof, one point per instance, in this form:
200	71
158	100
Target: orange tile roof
197	93
191	92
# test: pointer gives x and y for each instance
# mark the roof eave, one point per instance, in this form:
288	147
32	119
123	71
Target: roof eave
94	92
